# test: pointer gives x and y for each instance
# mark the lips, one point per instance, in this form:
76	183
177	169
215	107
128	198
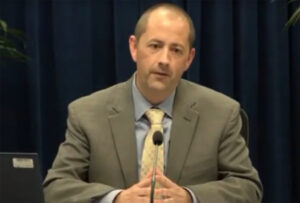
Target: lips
160	73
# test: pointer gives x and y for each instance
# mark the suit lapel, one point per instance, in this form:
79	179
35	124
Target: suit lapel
183	126
121	118
122	124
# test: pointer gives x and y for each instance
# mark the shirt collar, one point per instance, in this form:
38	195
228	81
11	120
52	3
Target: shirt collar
141	105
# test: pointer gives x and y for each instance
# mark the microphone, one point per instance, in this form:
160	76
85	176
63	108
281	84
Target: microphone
157	141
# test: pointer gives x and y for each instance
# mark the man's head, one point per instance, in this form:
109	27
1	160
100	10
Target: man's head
141	25
162	50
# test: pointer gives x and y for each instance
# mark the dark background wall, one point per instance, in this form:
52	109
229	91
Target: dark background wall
79	46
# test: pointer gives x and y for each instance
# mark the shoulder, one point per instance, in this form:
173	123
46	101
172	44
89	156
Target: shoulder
103	98
205	98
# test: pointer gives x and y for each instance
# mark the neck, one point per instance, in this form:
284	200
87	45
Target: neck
153	96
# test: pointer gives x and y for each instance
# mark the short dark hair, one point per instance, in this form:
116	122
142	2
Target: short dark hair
142	23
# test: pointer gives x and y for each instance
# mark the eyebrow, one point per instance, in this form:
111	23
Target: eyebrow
155	40
161	42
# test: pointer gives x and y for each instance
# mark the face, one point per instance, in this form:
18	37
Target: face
162	54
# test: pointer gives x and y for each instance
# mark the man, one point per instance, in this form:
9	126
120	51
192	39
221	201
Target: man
206	159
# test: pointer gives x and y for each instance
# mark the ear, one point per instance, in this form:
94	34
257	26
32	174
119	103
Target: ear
132	47
190	58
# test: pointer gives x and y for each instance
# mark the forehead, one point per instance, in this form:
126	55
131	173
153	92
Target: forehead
167	24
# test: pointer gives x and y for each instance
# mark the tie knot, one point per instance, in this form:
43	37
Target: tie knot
155	116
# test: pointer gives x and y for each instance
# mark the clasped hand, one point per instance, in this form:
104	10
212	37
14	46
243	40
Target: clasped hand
140	192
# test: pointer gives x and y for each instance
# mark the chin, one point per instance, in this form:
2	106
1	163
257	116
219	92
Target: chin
158	86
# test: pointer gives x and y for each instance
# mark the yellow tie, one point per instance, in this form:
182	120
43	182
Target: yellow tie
155	117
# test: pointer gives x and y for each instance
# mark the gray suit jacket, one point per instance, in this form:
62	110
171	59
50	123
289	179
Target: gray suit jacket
207	154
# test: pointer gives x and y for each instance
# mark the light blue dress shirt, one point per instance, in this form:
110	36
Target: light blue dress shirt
142	125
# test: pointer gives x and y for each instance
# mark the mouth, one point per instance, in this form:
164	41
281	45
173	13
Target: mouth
161	74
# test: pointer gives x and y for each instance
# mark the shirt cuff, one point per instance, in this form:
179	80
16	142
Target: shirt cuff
192	195
109	197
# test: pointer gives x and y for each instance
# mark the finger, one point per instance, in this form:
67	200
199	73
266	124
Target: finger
159	172
142	200
160	201
146	182
149	174
164	200
164	181
169	200
166	193
143	191
133	194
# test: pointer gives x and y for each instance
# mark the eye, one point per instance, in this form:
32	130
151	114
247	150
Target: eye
154	46
177	50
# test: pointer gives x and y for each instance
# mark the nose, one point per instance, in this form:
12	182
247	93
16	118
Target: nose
164	57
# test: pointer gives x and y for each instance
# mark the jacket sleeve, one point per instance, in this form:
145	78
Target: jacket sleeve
67	180
238	180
